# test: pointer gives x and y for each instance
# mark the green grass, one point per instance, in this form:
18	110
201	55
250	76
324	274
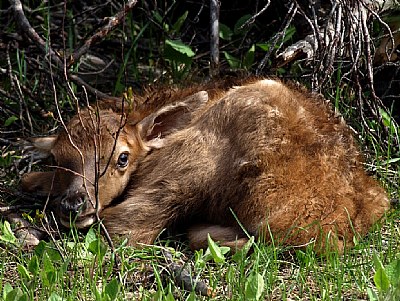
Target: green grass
84	268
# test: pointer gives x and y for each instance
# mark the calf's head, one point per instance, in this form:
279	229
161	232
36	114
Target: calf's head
97	153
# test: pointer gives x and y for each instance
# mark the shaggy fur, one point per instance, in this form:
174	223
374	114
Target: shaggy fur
264	155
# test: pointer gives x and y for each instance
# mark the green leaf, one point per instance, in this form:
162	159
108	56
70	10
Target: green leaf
225	32
178	24
7	234
233	62
381	280
90	237
264	46
49	272
179	46
179	56
254	287
377	262
98	248
169	297
24	297
53	253
372	295
97	295
33	265
40	249
112	289
241	254
10	120
289	34
238	29
191	297
23	272
393	272
47	248
6	289
387	121
199	261
249	57
215	250
158	295
14	294
55	297
157	16
393	160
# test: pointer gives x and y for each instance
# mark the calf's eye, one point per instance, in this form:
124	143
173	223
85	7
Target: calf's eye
123	160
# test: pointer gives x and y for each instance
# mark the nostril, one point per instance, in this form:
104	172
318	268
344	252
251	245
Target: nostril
73	205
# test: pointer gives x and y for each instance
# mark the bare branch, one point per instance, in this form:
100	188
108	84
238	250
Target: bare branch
214	37
96	92
27	29
113	22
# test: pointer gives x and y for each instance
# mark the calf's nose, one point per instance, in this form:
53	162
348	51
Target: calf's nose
73	205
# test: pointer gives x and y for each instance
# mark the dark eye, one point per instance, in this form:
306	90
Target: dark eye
123	160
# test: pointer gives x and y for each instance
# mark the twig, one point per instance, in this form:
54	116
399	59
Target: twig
274	40
96	92
253	18
48	229
27	29
102	32
29	198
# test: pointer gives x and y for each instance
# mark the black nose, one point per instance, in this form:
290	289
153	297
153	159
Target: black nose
73	205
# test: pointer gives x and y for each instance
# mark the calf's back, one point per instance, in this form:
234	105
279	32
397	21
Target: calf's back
264	155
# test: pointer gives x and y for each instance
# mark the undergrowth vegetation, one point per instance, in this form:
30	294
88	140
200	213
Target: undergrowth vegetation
168	44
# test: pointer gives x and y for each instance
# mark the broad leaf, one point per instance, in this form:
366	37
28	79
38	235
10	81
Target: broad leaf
6	233
215	250
112	289
179	46
225	32
233	62
254	286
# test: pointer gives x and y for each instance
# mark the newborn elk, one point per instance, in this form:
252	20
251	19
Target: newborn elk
262	158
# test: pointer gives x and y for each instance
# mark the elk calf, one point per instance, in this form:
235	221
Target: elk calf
264	155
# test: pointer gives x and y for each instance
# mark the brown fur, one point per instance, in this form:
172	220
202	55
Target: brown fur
264	154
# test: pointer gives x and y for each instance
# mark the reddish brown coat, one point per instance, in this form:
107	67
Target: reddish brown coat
264	154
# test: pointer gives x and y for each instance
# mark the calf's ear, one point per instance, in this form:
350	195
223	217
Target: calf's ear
169	119
39	148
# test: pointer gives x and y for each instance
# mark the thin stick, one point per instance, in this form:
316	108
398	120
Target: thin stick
214	37
113	22
96	92
26	28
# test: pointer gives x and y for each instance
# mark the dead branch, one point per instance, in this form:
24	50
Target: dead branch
27	29
29	198
278	36
75	78
52	56
113	22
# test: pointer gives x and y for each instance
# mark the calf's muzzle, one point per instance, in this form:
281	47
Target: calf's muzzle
76	208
